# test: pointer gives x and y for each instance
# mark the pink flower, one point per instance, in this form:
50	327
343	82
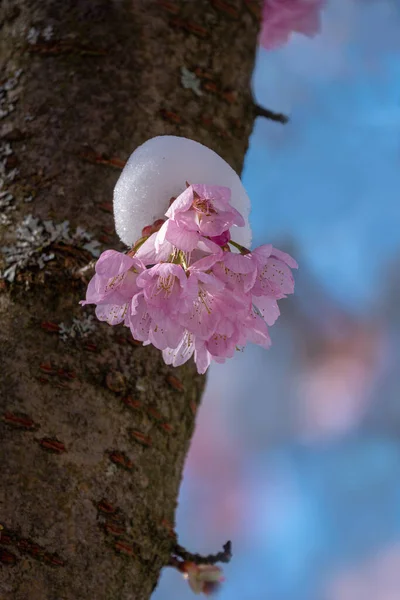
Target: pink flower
113	285
207	308
237	271
274	280
182	352
163	331
274	277
255	330
282	17
210	302
183	291
203	579
165	289
115	279
188	346
225	339
205	209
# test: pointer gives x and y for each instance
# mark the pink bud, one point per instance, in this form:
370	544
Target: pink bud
222	239
147	231
158	223
203	579
150	229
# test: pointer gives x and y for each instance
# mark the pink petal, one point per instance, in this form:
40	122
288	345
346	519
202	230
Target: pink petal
212	283
181	238
162	270
112	263
224	341
216	224
206	245
112	313
188	220
262	252
165	289
202	357
286	258
240	263
94	292
165	333
222	239
236	217
183	351
205	263
181	204
203	316
238	271
279	275
220	195
148	254
139	319
160	236
268	307
257	332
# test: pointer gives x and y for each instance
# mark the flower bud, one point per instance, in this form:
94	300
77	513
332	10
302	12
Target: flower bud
203	579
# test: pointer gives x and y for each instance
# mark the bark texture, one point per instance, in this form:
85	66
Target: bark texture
95	430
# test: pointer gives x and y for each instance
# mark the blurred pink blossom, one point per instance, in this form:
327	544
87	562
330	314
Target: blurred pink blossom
282	17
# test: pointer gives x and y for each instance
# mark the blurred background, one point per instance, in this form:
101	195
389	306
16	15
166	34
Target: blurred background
296	455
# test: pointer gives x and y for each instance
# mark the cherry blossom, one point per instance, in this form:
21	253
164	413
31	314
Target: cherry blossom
188	289
282	17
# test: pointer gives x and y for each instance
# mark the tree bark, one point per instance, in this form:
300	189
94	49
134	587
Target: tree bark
95	430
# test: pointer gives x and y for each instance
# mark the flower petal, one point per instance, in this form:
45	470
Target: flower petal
202	357
181	238
111	313
268	307
148	253
181	204
183	351
112	263
257	332
286	258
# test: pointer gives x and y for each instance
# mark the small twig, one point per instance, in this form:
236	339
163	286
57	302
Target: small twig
175	563
270	114
224	556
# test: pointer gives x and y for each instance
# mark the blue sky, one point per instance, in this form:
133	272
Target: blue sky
330	179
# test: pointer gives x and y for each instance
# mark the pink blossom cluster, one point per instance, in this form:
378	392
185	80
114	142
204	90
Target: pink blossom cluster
281	17
187	288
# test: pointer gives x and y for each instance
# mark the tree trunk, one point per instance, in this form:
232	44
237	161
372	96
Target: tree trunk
95	430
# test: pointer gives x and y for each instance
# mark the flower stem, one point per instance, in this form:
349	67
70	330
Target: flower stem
241	248
136	246
182	259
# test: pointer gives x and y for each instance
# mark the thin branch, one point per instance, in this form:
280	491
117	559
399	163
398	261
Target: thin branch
270	114
224	556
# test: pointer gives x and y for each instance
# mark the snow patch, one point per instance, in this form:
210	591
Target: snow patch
158	170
